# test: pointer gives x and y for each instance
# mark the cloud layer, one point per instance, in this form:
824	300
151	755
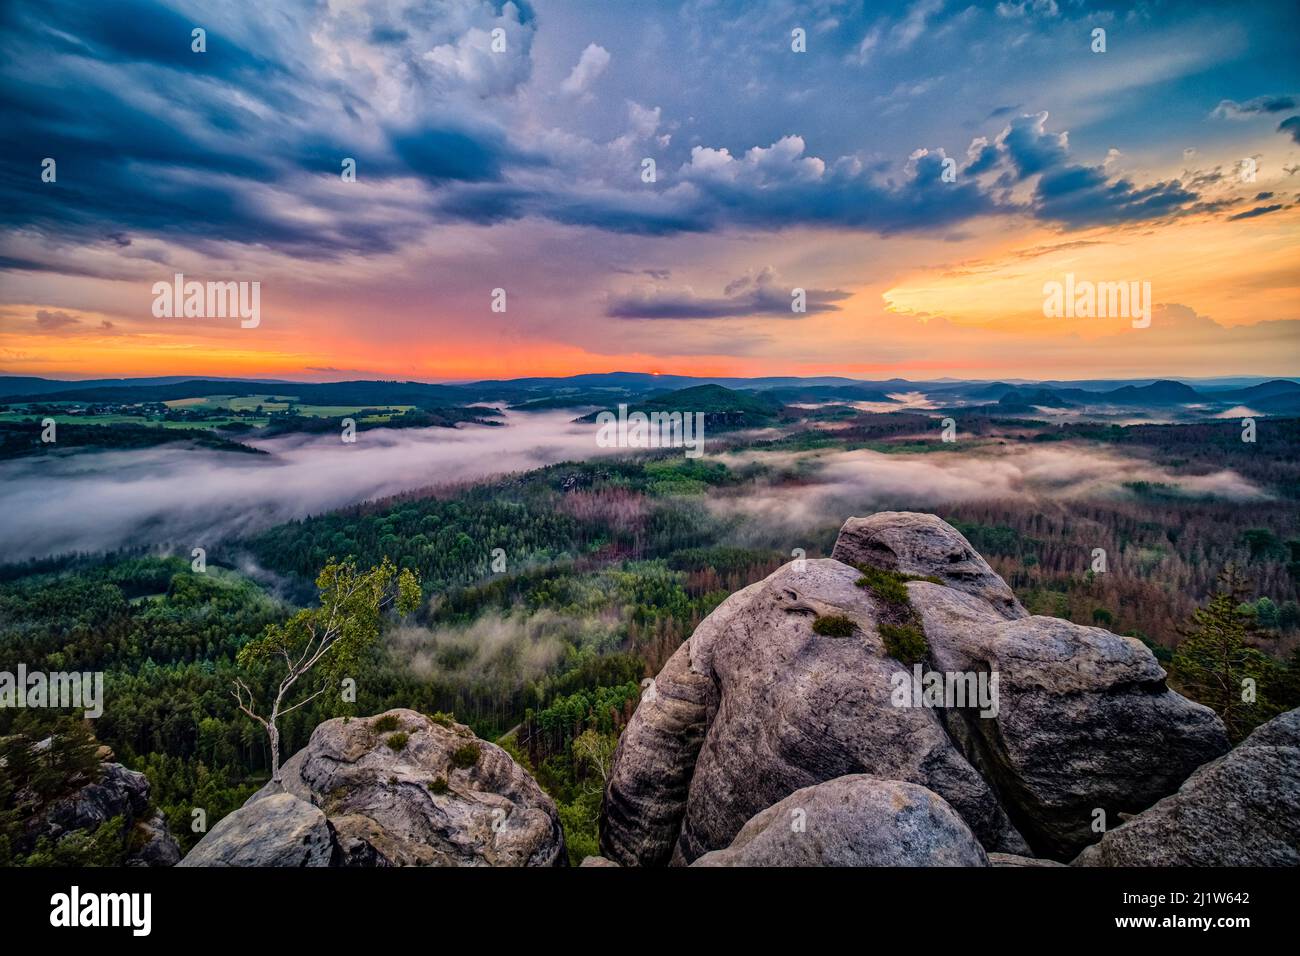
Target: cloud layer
244	141
503	144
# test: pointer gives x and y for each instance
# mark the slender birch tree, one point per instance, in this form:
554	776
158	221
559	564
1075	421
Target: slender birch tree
328	639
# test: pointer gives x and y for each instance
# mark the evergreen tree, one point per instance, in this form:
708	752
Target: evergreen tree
1216	665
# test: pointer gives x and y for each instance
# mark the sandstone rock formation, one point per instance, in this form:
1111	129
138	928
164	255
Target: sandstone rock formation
925	546
785	708
278	829
1240	810
398	789
854	820
655	759
119	792
758	704
1084	722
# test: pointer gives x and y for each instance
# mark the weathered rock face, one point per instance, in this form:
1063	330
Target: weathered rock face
119	792
655	759
924	545
155	845
757	705
785	708
1240	810
416	793
854	820
1084	721
277	829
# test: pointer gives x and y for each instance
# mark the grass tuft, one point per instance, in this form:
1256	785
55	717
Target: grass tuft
905	642
900	626
466	755
834	625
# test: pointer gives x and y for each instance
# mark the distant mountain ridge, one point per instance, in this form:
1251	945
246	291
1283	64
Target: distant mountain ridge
720	406
1275	396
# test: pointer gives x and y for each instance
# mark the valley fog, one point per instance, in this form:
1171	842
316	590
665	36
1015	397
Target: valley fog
183	498
180	498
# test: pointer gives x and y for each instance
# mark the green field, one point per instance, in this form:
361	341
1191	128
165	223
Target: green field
126	420
280	403
234	403
62	419
336	411
217	403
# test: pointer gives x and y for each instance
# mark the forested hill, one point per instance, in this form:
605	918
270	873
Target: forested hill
721	407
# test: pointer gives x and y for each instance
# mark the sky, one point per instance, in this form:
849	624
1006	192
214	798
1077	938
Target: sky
920	170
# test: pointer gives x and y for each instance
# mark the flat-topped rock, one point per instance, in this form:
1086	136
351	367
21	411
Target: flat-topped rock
277	830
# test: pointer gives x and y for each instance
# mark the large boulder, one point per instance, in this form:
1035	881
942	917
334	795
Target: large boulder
403	789
1240	810
926	546
854	820
785	708
758	704
278	829
118	792
1084	720
645	799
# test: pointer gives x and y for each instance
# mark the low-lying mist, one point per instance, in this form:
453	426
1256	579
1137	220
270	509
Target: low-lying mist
183	498
494	649
812	490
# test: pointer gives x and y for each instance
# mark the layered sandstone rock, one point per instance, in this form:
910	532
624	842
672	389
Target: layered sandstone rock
758	704
398	789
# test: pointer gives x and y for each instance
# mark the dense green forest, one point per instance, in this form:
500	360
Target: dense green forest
21	439
549	596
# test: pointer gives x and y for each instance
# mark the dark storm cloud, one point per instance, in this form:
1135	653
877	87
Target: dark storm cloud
1075	195
151	136
780	186
244	143
748	296
1083	196
1257	211
1031	148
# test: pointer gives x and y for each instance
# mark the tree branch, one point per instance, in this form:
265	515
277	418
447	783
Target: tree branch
248	709
305	700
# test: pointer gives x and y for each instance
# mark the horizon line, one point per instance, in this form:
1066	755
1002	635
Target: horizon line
947	379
